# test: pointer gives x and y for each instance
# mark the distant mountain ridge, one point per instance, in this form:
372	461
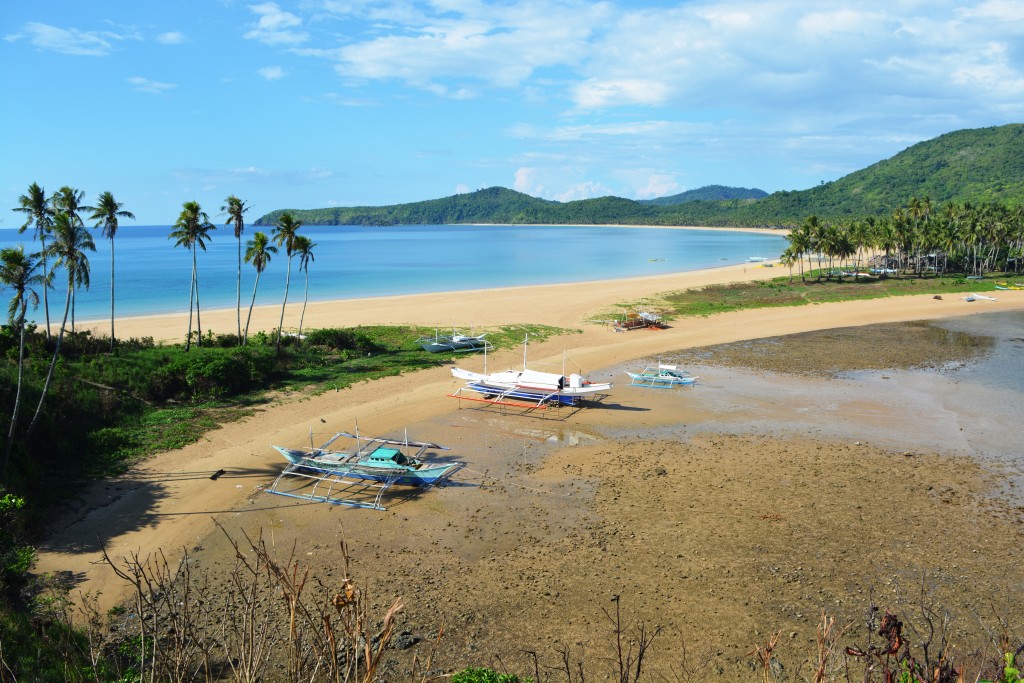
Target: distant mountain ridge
708	193
977	165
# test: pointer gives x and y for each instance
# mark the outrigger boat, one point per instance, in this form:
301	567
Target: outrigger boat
374	464
534	386
459	343
661	377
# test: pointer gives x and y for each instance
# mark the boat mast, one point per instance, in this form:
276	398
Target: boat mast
526	342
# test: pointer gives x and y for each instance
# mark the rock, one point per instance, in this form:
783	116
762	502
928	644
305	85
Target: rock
404	640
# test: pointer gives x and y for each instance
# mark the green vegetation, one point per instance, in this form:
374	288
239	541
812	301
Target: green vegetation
782	291
979	166
480	675
708	193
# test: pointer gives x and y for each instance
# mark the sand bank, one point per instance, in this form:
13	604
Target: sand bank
170	501
561	305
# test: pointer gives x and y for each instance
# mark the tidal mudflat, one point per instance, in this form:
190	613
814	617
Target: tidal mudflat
740	507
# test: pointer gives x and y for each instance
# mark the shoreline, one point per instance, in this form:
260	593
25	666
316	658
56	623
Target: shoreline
476	307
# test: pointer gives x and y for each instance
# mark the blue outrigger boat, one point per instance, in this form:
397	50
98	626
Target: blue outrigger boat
374	464
661	377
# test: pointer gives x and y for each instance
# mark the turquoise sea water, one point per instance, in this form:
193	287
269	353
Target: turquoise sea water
354	262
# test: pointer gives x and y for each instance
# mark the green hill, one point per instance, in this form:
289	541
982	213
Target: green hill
708	193
978	165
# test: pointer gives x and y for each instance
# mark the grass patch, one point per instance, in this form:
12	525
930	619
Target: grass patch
782	291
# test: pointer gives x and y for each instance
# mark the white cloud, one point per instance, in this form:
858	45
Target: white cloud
658	185
272	73
152	87
558	183
171	38
597	93
275	26
69	41
462	42
525	181
593	131
1000	10
461	188
584	190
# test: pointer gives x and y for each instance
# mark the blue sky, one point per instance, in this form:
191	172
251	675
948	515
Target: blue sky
315	103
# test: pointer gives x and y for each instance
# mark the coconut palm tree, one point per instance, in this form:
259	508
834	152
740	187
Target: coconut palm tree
304	248
257	252
69	200
191	231
70	242
38	213
236	208
285	235
106	213
21	272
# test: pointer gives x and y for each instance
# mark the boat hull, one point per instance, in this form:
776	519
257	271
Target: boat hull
531	385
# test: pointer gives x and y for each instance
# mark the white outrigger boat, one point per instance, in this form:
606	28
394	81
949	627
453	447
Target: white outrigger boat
458	343
661	377
374	464
537	387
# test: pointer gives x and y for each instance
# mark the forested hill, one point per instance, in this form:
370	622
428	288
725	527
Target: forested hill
493	205
979	165
708	193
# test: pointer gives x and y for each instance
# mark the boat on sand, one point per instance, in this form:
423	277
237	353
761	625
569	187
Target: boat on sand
459	343
376	459
661	377
531	385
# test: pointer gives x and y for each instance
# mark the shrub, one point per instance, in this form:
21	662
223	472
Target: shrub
341	339
474	675
15	557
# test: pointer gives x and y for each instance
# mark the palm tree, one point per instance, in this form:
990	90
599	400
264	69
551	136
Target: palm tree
191	231
20	271
69	200
257	252
304	248
70	242
107	212
236	209
285	235
35	205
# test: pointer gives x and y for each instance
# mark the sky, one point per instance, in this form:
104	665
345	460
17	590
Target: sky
318	103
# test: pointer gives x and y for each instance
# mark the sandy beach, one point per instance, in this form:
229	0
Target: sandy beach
493	560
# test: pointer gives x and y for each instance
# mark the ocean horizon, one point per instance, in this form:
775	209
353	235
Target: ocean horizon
354	262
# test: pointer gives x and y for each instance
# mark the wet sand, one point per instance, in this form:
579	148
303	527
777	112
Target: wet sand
747	529
723	512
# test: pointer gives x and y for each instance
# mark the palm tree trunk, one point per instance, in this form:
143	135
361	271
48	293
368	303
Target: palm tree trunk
17	398
111	294
72	311
53	363
287	283
199	320
305	298
245	339
238	290
46	299
191	299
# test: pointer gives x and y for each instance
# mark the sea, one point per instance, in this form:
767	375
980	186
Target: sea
153	276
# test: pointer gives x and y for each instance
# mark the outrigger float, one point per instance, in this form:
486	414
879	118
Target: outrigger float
359	477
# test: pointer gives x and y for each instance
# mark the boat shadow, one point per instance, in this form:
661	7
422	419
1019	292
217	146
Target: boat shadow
605	404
